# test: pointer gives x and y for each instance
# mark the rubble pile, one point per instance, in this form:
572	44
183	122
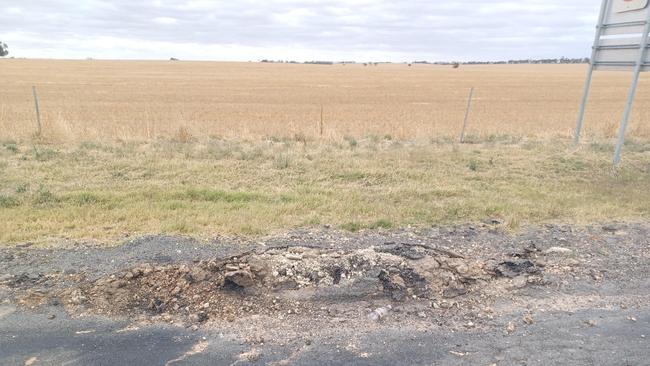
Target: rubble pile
294	279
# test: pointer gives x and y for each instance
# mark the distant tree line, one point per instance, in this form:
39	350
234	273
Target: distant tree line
4	50
561	60
279	61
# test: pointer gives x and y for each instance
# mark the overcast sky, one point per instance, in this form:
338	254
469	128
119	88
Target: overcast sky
361	30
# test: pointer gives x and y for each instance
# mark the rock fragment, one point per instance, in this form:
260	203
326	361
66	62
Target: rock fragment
528	319
591	323
379	313
293	256
514	267
558	251
452	292
198	317
241	278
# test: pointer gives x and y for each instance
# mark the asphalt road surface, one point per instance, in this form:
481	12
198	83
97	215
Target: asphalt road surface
595	313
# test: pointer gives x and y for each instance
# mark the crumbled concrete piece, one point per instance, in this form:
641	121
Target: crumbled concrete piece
528	319
591	323
241	278
558	251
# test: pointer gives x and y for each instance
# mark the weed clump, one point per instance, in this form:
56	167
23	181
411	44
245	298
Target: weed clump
351	226
208	195
282	161
44	196
7	201
381	224
473	165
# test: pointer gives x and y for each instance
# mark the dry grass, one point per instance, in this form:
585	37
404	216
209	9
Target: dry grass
126	100
107	192
131	148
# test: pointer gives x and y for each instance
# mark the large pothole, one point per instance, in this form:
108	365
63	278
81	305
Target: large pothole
295	279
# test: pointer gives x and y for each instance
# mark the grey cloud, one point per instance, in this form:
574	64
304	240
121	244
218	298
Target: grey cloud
488	29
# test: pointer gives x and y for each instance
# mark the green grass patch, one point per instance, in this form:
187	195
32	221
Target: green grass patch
207	189
351	176
43	197
208	195
83	198
7	201
352	226
381	224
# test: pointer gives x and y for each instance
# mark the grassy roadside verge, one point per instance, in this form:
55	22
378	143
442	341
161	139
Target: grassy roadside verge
105	192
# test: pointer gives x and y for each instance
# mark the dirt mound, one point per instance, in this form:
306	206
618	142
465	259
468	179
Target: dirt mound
290	280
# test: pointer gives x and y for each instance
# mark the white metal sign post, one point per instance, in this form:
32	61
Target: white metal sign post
621	43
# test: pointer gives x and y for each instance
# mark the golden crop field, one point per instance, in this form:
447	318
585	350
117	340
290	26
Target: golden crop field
142	100
203	149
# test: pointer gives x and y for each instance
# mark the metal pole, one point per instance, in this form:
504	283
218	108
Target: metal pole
469	107
590	71
38	113
632	93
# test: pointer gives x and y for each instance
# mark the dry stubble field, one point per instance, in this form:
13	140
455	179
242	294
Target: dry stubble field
198	148
129	100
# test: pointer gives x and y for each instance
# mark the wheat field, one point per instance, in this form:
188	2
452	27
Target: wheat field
202	149
144	100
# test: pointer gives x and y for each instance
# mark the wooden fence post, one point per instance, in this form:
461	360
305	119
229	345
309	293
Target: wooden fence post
38	112
321	127
469	108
